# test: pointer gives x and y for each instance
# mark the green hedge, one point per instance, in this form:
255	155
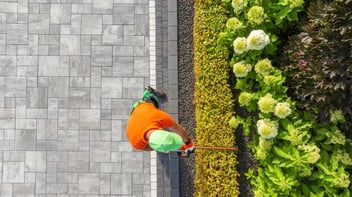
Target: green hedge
215	170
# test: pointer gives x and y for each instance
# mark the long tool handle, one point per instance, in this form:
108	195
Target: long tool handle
215	148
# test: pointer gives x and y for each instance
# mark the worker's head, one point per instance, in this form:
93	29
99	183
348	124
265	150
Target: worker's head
157	96
164	141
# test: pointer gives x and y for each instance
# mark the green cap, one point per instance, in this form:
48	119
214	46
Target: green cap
164	141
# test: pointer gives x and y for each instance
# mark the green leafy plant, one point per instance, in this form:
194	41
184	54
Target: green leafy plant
298	154
318	61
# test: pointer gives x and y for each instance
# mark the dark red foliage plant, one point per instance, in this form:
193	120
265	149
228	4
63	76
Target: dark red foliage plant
318	61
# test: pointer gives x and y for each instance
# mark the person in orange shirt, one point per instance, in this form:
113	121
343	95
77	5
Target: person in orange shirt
150	128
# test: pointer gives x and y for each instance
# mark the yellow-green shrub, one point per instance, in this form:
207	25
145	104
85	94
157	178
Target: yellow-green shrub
215	170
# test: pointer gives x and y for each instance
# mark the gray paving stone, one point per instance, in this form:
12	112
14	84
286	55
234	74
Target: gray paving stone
79	66
123	51
121	184
112	35
60	13
26	124
134	40
121	147
141	26
49	66
141	68
84	8
68	140
78	161
88	183
95	97
79	98
37	97
67	178
54	188
132	87
13	172
35	161
111	88
15	87
16	156
69	71
79	82
7	113
38	23
121	108
123	14
6	190
100	152
92	24
104	184
57	156
102	6
123	66
70	45
101	56
58	87
23	190
17	33
25	140
89	119
8	7
83	141
130	162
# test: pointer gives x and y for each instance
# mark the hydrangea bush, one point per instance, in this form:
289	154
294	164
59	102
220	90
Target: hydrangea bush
298	155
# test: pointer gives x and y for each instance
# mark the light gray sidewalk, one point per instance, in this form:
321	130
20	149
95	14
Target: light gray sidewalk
69	72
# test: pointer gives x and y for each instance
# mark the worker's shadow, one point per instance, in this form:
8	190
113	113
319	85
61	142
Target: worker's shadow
168	170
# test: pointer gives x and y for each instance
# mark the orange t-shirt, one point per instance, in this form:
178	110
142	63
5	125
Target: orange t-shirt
146	117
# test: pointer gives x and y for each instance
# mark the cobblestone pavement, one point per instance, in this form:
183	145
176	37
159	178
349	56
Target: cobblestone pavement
69	72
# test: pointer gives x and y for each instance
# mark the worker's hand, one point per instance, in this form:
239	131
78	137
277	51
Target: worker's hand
187	148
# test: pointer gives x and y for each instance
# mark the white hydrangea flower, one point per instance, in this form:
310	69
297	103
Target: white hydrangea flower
267	103
256	15
240	45
267	129
282	110
245	98
294	3
270	80
238	5
257	40
264	67
313	152
241	69
344	158
338	138
234	24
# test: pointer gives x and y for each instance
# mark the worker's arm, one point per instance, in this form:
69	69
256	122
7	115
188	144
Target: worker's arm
181	131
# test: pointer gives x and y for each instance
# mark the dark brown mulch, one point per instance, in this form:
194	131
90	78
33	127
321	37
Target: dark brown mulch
186	89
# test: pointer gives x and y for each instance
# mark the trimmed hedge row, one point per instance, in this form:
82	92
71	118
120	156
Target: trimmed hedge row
215	170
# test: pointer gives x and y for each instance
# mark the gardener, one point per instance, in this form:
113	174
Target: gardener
150	128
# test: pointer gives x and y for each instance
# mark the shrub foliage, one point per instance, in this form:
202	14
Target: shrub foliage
215	170
318	60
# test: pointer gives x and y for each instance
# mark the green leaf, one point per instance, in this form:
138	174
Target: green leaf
281	15
286	124
282	153
320	194
324	168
